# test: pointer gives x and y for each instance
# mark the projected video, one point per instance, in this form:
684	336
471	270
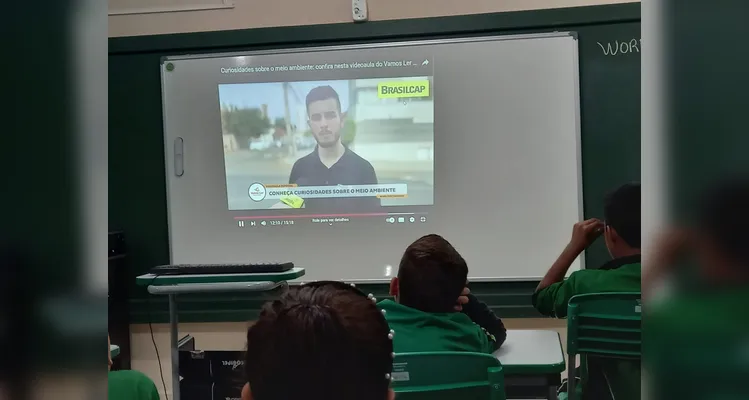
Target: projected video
340	146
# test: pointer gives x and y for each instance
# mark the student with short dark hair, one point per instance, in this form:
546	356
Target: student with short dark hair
322	340
432	275
621	231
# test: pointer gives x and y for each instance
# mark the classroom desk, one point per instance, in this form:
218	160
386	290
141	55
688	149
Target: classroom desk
114	350
532	361
172	285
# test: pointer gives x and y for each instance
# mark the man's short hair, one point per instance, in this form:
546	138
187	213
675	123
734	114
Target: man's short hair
621	211
322	93
431	275
322	340
724	218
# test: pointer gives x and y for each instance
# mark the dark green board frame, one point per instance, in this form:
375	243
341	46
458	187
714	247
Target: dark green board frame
610	107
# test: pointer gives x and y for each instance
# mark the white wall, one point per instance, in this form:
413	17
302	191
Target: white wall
254	14
266	13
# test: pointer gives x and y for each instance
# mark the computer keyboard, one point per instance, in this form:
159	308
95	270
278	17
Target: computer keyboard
213	269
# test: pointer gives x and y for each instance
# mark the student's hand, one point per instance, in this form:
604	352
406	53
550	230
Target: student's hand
280	205
585	233
462	299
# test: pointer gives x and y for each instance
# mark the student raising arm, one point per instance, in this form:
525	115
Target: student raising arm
621	231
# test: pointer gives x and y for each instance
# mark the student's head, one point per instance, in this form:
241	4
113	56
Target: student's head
324	115
723	236
322	340
431	275
621	213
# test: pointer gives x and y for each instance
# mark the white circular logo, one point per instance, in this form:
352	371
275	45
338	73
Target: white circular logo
256	191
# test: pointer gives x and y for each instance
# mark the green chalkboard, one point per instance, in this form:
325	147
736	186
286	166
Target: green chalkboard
610	108
609	42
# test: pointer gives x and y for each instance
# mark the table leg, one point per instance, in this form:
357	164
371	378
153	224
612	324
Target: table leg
552	393
174	332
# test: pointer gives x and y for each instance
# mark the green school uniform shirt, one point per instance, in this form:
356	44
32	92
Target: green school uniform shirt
618	275
698	344
418	331
131	385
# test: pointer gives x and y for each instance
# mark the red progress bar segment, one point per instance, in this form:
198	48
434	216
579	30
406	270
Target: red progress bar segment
313	216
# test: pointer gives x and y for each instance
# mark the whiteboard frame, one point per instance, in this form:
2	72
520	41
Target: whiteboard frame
474	39
377	45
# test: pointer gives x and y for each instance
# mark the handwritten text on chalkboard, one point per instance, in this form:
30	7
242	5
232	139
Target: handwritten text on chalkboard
620	48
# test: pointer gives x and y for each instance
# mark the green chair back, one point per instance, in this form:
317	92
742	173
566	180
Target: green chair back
606	327
447	375
719	365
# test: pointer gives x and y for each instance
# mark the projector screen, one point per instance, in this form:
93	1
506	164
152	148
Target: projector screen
337	158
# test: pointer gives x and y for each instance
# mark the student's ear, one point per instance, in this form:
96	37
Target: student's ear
391	394
611	238
394	286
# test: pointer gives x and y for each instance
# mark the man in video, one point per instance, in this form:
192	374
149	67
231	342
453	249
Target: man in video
332	163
